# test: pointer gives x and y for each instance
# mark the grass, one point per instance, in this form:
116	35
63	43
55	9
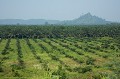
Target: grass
68	58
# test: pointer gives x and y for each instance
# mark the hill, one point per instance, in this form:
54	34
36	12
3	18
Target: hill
27	22
86	19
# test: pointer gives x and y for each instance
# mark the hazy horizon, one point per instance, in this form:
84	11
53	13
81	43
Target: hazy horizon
59	9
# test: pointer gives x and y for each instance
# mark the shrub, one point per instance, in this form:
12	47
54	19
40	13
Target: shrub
5	58
61	72
105	75
55	58
86	69
78	69
1	70
112	47
90	61
105	56
83	70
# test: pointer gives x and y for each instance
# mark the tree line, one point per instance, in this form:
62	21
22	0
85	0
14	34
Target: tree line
59	31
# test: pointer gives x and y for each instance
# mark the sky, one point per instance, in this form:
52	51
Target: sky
59	9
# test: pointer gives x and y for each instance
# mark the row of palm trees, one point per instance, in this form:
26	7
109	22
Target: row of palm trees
52	31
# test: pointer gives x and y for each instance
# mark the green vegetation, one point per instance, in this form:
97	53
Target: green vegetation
60	52
53	31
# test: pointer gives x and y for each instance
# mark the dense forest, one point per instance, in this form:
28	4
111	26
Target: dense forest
58	31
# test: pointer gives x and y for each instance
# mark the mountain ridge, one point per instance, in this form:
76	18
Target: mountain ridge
86	19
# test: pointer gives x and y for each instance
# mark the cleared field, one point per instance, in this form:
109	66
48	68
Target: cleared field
60	58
